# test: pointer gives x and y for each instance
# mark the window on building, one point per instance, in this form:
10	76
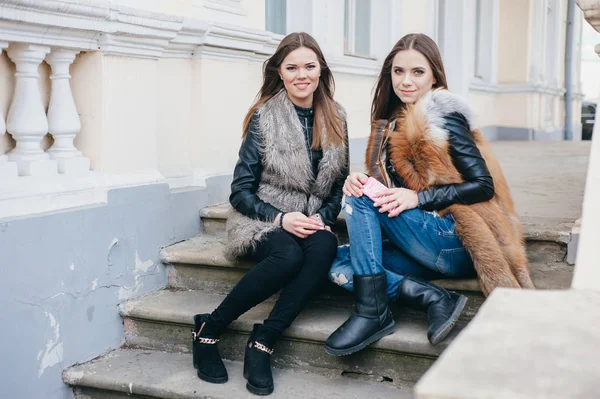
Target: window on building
477	68
275	16
440	25
552	39
485	40
357	27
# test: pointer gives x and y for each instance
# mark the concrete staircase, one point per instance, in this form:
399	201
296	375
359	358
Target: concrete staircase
155	361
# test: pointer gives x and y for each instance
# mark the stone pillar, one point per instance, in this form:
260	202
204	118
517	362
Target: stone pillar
63	119
7	169
27	121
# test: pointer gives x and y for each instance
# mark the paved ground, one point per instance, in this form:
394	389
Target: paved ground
547	179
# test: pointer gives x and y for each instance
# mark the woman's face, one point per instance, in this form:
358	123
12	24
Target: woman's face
300	72
412	76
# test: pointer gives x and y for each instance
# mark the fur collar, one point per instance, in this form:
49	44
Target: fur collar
439	103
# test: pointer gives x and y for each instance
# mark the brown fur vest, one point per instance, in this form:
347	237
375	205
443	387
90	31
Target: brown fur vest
418	148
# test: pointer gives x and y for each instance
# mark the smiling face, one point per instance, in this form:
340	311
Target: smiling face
412	76
300	72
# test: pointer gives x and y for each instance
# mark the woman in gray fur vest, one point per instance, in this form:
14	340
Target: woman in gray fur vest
286	194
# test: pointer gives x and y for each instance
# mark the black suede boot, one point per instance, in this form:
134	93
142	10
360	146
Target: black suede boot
257	360
206	356
443	307
370	321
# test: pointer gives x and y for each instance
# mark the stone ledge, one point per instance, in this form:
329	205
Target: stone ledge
535	228
314	324
207	250
155	374
522	344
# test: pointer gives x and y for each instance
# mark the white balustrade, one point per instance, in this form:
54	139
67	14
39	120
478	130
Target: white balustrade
27	121
63	119
7	169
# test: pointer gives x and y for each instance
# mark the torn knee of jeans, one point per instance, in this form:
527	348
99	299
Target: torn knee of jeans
339	278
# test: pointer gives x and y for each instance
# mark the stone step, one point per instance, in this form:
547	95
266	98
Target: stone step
552	230
163	321
199	263
137	373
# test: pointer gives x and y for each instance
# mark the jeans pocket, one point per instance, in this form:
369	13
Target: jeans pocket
450	262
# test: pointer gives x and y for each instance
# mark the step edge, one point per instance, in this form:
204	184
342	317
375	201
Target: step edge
392	343
81	376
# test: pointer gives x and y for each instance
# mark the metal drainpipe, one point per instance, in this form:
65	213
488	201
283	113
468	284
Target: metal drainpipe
569	70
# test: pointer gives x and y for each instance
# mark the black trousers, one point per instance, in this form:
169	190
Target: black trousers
296	266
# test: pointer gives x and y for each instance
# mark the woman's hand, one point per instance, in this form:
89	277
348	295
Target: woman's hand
396	200
300	225
318	218
354	184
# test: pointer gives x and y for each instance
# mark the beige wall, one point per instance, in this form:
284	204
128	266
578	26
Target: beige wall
173	116
416	18
86	83
7	87
484	107
522	110
513	42
253	11
218	109
354	93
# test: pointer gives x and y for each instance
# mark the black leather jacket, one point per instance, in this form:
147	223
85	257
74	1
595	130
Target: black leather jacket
247	174
478	185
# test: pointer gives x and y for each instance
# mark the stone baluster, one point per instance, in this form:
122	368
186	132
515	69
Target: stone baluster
7	169
27	121
63	119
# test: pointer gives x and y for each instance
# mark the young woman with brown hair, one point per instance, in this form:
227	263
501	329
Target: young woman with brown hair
286	194
446	210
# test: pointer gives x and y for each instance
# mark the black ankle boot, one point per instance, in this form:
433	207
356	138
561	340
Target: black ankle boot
206	356
370	321
443	307
257	361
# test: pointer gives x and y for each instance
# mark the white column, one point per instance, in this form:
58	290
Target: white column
26	117
63	119
7	169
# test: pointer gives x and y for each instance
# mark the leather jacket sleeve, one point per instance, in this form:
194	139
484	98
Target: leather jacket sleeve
246	177
478	185
332	206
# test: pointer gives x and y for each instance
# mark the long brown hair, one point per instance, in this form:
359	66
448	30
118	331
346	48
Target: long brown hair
331	130
385	102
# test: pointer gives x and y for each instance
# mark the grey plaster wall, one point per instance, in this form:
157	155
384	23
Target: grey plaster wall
63	275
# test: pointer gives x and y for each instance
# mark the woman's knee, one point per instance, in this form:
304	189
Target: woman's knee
288	257
349	203
326	243
341	272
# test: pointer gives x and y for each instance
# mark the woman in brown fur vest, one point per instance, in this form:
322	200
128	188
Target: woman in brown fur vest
446	210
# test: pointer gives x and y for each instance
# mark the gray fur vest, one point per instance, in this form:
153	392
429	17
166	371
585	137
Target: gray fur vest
287	180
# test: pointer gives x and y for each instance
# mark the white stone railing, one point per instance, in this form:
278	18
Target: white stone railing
591	13
27	121
55	31
587	266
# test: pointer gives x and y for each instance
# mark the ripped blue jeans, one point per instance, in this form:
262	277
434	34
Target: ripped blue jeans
417	243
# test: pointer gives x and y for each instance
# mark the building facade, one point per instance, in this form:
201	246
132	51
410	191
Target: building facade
119	120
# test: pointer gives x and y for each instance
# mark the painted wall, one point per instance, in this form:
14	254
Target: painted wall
65	273
513	43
